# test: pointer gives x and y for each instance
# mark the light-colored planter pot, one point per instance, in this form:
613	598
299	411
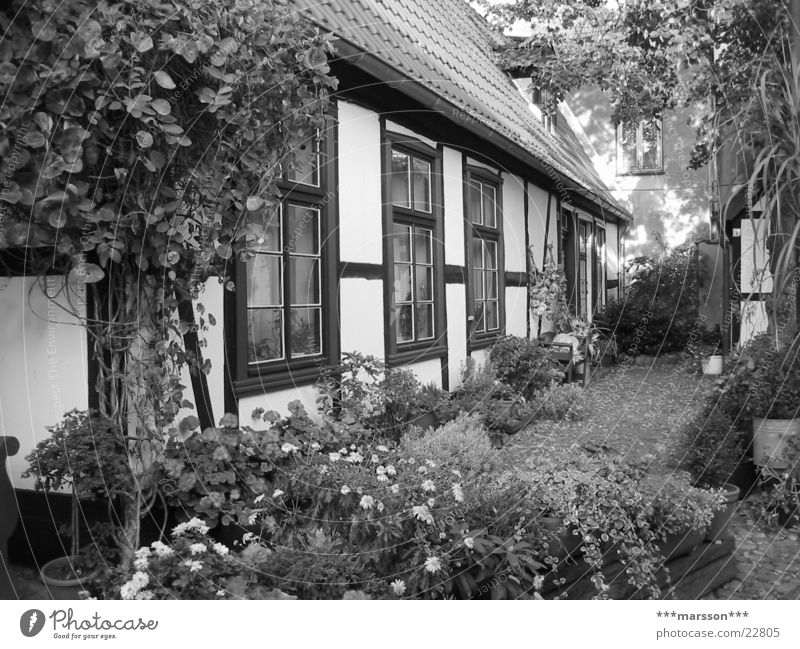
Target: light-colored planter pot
769	440
712	365
722	519
69	588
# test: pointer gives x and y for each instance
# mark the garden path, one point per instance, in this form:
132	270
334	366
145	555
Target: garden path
637	411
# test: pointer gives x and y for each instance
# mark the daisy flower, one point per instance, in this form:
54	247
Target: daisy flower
367	502
398	587
433	565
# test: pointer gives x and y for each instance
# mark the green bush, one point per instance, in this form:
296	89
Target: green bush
560	402
462	444
712	447
523	364
658	312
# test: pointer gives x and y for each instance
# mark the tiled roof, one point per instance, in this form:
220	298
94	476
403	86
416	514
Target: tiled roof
447	47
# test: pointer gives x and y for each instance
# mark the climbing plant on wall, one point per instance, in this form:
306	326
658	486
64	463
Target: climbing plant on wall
141	143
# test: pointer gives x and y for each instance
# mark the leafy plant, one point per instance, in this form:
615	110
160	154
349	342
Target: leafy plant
523	364
461	443
560	402
713	447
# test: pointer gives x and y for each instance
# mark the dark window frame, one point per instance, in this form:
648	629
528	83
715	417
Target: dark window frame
600	274
255	378
480	339
639	169
399	353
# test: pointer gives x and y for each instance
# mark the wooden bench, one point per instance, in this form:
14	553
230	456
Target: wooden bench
9	515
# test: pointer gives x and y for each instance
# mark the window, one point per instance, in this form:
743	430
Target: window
583	267
285	311
415	274
543	100
599	269
639	147
485	288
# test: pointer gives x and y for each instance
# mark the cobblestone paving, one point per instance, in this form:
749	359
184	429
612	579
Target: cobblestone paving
638	411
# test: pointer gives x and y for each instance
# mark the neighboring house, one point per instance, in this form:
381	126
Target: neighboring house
405	233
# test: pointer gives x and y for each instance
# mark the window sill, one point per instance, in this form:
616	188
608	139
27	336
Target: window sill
485	340
267	379
416	353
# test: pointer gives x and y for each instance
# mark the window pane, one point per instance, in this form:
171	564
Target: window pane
421	173
422	246
489	207
492	319
402	283
480	322
305	332
271	241
400	179
475	202
651	145
304	280
264	335
402	243
264	281
627	146
424	282
306	163
404	322
477	284
424	321
491	254
491	285
302	230
477	253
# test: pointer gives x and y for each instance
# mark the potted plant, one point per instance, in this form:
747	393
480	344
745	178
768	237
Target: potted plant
708	351
774	403
86	453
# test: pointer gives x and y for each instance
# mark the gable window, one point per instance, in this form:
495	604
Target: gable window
543	100
485	241
414	267
285	308
639	147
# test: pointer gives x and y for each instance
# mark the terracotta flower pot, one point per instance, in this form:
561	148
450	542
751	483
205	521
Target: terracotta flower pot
64	579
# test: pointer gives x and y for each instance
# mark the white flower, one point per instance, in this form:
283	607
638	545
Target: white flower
345	490
161	549
428	486
391	470
197	548
195	524
221	593
141	563
259	498
367	502
431	502
398	587
352	447
375	459
383	478
422	513
431	464
395	489
411	460
469	542
458	492
145	594
247	537
140	579
221	549
323	469
194	566
380	470
422	470
251	520
381	449
355	458
143	552
381	507
343	450
315	446
277	493
287	448
433	565
456	472
128	591
334	457
538	582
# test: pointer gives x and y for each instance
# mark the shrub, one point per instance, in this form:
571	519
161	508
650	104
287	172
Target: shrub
522	364
462	444
658	312
712	447
561	402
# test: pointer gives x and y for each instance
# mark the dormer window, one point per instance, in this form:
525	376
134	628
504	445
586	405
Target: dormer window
543	100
